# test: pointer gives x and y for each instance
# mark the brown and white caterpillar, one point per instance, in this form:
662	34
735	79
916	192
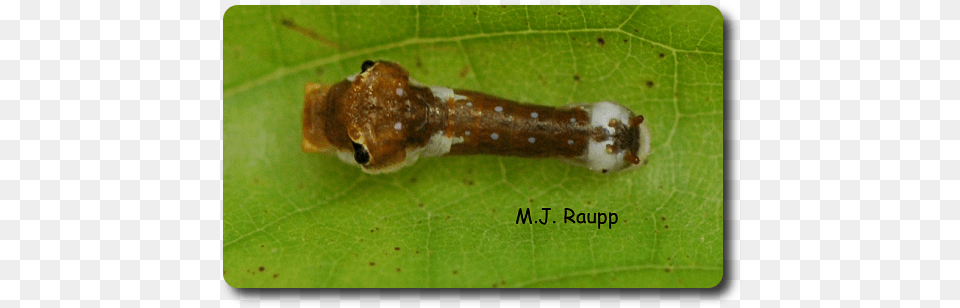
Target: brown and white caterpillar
381	120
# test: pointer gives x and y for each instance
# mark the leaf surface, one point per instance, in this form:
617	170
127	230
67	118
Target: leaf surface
292	219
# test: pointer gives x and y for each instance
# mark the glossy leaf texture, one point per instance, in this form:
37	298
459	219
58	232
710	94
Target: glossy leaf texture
292	219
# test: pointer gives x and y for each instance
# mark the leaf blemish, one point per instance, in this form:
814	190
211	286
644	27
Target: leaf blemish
576	77
306	32
464	71
661	55
275	275
454	272
372	264
649	84
261	268
601	41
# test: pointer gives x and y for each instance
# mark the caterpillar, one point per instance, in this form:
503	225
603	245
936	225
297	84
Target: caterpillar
381	120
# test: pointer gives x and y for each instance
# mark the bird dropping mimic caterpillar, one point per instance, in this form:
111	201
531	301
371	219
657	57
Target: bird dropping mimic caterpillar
381	120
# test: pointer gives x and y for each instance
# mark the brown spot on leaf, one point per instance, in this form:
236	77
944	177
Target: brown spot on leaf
661	55
601	41
649	84
454	272
398	270
464	71
396	248
306	32
663	218
666	226
576	77
666	270
275	275
261	268
372	263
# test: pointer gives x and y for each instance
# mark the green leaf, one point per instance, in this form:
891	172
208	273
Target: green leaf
292	219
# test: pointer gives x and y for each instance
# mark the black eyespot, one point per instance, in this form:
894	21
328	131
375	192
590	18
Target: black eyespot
360	154
366	65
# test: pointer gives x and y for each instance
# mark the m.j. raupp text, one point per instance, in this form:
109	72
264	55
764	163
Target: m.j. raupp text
569	216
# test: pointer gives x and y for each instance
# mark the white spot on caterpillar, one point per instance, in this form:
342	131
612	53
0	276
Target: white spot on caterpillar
570	142
397	126
444	93
573	120
597	156
534	115
466	133
494	136
532	140
498	109
469	104
399	92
